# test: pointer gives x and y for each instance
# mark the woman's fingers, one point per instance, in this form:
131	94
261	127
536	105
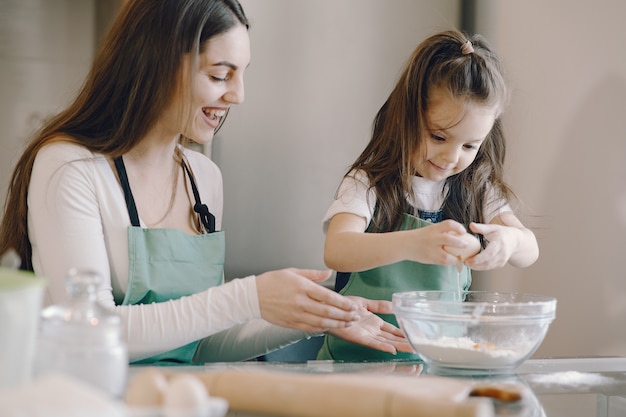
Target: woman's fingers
375	306
373	332
314	275
292	298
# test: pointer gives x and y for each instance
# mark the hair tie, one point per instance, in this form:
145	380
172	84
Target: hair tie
467	48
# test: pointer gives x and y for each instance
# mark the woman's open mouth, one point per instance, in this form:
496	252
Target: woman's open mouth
214	115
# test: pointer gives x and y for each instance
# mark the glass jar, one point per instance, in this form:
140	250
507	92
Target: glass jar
82	339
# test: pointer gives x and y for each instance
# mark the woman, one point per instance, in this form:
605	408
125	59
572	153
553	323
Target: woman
107	185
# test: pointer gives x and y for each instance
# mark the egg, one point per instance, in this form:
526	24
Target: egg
146	389
471	248
186	396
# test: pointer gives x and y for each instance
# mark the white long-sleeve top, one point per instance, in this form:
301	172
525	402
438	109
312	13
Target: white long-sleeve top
77	217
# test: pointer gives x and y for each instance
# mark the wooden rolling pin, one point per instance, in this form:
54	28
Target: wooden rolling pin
284	394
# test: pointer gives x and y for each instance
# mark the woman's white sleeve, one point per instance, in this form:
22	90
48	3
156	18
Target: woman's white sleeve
246	341
67	196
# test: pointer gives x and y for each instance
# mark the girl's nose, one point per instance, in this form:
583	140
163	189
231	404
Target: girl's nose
451	154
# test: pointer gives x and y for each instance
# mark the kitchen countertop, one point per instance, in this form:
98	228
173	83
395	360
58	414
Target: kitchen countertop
569	387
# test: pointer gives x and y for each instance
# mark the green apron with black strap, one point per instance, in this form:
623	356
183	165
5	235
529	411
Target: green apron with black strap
380	284
166	264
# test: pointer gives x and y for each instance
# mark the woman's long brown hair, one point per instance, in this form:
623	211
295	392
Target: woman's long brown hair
476	77
132	80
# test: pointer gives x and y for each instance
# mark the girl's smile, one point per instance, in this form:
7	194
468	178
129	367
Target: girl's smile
456	130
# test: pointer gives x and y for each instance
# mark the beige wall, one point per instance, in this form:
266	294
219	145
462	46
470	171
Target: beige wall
320	71
567	160
45	50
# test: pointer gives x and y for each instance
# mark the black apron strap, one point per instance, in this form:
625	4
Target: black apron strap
341	279
128	195
206	217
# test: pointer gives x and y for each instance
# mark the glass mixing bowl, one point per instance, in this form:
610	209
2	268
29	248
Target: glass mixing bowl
486	331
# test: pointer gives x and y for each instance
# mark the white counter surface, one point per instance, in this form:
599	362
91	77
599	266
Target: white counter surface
569	387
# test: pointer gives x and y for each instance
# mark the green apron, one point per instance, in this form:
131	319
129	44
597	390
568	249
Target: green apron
166	264
380	284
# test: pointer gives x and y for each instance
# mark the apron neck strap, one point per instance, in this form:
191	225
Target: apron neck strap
206	217
128	195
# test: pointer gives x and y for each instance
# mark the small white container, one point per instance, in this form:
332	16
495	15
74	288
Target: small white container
21	295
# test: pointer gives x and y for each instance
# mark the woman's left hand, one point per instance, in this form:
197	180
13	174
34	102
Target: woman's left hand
372	331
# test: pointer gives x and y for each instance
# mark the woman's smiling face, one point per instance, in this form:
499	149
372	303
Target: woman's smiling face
455	130
217	82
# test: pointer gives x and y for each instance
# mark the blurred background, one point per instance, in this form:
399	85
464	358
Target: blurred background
320	71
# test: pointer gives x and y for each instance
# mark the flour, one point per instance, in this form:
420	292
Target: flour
457	351
571	378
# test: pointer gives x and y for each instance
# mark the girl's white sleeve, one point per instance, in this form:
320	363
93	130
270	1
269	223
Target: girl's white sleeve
66	204
494	206
353	196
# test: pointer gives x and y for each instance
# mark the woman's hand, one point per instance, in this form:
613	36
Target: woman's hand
372	331
293	298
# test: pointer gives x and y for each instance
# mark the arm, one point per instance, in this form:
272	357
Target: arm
349	248
245	341
78	218
258	337
509	242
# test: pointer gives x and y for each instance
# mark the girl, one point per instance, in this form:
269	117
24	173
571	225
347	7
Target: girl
432	169
107	185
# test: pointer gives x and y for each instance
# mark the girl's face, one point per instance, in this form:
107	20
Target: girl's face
217	82
455	131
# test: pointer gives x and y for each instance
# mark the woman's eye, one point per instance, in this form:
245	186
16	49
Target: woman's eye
218	79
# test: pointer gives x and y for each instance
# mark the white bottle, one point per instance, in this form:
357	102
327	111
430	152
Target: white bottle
83	339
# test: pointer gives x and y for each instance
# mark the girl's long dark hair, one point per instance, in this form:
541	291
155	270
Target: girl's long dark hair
476	77
133	78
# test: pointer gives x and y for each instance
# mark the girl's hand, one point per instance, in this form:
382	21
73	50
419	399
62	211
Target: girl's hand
509	242
502	243
440	243
293	298
372	331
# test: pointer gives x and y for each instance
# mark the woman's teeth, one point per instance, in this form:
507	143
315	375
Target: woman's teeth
214	113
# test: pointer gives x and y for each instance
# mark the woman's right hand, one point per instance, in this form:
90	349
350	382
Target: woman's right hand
293	298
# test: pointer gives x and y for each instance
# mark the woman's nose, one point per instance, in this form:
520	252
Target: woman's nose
235	93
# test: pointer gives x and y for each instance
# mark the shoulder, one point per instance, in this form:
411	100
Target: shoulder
358	176
353	196
64	151
495	203
64	156
202	165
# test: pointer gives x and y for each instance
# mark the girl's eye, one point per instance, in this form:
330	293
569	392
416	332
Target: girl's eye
469	146
437	138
